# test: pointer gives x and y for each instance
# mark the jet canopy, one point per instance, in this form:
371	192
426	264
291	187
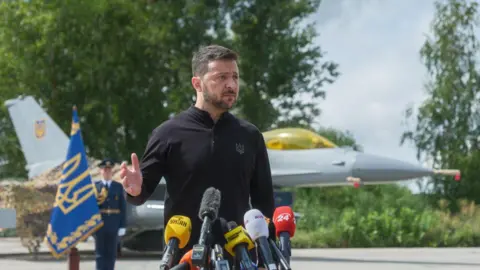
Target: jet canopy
295	138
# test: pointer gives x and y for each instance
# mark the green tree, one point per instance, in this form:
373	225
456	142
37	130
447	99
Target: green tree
447	131
12	164
283	70
340	138
126	64
123	63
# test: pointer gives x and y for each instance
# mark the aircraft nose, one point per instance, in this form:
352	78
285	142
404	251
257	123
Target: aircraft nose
371	168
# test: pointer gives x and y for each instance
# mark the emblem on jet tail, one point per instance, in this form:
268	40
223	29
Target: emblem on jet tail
40	126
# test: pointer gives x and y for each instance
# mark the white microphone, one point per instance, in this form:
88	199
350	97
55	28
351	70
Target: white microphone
257	228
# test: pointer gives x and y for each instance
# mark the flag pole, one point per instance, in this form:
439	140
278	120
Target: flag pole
73	259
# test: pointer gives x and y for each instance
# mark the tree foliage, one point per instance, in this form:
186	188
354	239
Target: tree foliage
448	122
340	138
126	64
279	62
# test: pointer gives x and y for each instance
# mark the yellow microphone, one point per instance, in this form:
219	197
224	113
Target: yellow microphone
177	235
238	243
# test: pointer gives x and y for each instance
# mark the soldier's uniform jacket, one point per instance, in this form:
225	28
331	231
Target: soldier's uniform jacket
112	204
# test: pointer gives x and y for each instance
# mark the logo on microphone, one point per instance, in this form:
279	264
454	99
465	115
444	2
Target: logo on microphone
179	221
284	217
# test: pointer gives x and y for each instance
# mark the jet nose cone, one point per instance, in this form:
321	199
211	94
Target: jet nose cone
371	168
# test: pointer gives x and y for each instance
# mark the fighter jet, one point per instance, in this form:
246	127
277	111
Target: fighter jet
298	157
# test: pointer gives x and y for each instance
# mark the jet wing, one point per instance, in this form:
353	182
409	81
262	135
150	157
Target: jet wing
333	166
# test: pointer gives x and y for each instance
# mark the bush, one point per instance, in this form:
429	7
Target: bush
8	233
33	206
380	216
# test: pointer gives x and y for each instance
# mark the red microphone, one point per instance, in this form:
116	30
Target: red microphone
285	226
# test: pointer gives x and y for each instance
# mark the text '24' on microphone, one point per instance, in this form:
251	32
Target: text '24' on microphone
257	228
238	243
208	214
177	235
285	225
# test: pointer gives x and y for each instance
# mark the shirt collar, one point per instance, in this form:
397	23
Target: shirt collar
107	182
203	117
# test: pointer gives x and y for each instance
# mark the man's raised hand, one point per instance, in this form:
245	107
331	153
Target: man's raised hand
131	178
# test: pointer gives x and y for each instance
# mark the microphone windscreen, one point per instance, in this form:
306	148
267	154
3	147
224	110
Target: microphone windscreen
179	227
255	224
284	220
187	258
231	225
210	203
223	225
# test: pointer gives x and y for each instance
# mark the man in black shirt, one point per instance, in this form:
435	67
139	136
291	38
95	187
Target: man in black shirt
205	146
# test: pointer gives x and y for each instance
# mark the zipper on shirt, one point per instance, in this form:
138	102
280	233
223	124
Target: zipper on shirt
212	142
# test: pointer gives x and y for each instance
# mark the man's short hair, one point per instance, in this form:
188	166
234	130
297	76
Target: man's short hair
206	54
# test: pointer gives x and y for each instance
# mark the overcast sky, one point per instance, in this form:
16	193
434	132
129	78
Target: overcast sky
376	44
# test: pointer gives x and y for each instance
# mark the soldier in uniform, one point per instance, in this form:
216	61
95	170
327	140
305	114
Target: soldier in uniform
112	204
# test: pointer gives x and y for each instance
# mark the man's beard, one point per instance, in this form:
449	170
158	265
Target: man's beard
216	102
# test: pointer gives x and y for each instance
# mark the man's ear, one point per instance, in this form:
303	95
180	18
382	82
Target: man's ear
196	83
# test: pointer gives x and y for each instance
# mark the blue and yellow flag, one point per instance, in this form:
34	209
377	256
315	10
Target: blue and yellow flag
75	214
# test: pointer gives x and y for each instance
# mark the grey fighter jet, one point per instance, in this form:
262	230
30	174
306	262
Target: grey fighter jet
320	163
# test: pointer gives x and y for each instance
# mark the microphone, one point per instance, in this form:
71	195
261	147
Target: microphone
183	266
285	225
284	265
218	260
257	228
185	263
238	243
208	214
177	235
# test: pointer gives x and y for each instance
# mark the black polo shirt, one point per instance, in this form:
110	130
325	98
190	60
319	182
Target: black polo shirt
193	153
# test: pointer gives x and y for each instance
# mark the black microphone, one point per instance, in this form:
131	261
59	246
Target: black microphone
208	214
238	243
284	265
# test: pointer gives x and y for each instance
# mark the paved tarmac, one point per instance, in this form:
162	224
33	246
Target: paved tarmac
12	256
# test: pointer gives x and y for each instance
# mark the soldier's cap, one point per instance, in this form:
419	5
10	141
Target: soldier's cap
107	163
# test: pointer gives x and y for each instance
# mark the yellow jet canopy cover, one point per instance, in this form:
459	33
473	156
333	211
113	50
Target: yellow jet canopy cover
295	138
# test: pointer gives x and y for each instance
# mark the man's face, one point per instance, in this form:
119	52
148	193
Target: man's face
219	85
106	173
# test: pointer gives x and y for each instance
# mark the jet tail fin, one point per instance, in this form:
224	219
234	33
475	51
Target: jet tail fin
44	144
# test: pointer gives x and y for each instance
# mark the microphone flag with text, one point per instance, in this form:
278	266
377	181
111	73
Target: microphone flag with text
208	213
257	228
177	235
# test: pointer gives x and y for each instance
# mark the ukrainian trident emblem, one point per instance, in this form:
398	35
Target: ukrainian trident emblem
40	126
